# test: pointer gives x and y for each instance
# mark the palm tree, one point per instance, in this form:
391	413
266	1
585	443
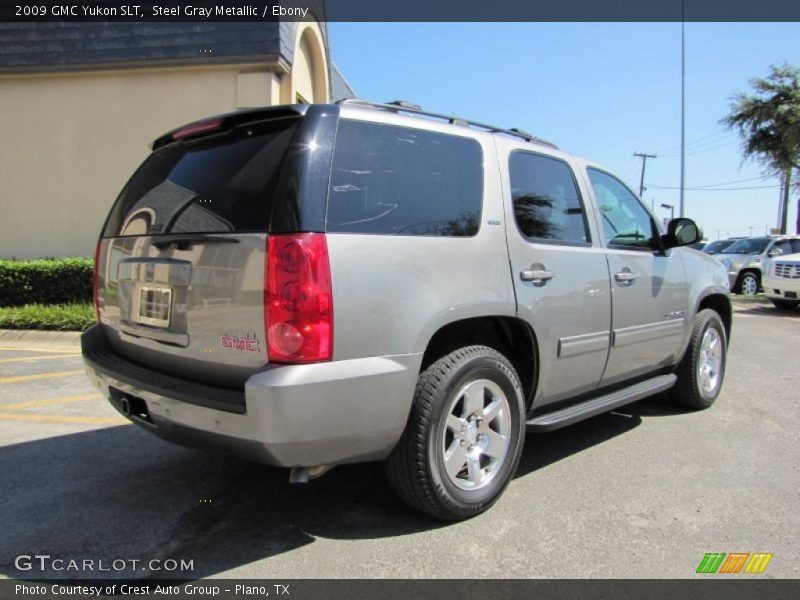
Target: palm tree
769	123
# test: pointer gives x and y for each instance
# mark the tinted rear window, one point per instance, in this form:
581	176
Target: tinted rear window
403	181
547	203
220	184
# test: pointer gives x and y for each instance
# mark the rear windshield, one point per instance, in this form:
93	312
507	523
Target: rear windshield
220	184
404	181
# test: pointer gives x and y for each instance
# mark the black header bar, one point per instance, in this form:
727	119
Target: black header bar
404	10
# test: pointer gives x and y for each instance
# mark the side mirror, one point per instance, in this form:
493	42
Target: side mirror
775	252
682	232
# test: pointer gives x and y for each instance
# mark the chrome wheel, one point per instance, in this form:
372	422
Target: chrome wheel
749	286
476	435
709	364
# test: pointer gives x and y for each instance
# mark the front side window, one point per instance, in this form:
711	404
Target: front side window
626	223
788	246
547	204
403	181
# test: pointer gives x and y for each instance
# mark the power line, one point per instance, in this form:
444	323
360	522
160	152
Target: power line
710	189
711	138
713	185
702	149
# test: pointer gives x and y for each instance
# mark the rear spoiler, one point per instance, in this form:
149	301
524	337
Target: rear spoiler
225	122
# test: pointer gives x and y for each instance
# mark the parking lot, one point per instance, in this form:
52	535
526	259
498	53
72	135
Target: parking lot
644	492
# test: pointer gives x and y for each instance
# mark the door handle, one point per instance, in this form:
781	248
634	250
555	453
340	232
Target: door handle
537	275
626	276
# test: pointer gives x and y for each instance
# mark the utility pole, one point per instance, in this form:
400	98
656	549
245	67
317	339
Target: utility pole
644	158
683	106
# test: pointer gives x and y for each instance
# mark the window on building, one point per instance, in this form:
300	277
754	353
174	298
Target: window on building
547	203
404	181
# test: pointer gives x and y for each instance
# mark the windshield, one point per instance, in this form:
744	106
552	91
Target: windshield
752	246
717	247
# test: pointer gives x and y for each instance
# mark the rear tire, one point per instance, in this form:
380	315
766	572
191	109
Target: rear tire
702	370
785	304
464	437
749	284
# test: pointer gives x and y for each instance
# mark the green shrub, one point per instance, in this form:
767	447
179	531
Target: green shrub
45	281
60	317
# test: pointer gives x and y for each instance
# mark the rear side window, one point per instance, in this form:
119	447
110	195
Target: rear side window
221	184
403	181
547	204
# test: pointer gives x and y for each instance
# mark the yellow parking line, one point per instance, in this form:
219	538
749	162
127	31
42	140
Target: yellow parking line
65	419
48	350
21	378
29	358
49	401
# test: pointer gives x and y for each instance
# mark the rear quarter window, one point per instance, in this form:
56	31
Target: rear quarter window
404	181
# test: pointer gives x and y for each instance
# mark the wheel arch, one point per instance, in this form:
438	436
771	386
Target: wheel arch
721	304
511	336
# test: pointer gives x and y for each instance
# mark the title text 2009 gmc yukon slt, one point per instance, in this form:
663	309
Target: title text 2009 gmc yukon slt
319	284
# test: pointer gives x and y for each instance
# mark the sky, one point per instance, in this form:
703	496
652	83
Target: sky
598	90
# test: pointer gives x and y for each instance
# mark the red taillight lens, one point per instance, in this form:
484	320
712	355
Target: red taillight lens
298	298
95	282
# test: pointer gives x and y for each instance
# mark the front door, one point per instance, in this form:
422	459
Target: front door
649	291
560	273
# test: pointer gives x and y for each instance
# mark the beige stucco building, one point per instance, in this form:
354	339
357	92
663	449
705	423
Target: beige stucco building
82	102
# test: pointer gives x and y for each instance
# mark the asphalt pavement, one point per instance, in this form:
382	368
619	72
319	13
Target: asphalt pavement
643	492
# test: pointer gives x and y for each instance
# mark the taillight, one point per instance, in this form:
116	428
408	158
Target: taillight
298	298
197	128
95	283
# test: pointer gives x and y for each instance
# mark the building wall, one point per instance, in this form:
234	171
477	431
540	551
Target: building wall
71	140
75	140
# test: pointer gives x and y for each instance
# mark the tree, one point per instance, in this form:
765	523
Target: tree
768	122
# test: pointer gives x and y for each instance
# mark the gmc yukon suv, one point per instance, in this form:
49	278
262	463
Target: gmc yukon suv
312	285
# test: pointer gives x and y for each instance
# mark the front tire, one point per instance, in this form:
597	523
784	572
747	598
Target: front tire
464	437
749	284
702	370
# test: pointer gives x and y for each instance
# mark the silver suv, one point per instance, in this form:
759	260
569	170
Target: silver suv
744	260
312	285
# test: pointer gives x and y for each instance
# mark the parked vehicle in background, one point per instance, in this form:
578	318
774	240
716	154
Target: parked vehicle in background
697	246
744	260
719	246
311	285
781	279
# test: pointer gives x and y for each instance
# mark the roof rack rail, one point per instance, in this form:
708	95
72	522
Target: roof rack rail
409	107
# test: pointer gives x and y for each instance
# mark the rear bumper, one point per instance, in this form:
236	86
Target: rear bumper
293	416
776	287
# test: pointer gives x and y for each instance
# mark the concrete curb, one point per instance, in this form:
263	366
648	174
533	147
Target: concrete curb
49	339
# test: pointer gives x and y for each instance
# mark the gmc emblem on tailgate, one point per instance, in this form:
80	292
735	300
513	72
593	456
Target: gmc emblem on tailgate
235	343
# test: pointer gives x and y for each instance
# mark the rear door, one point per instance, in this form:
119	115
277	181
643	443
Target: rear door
649	294
182	256
559	269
